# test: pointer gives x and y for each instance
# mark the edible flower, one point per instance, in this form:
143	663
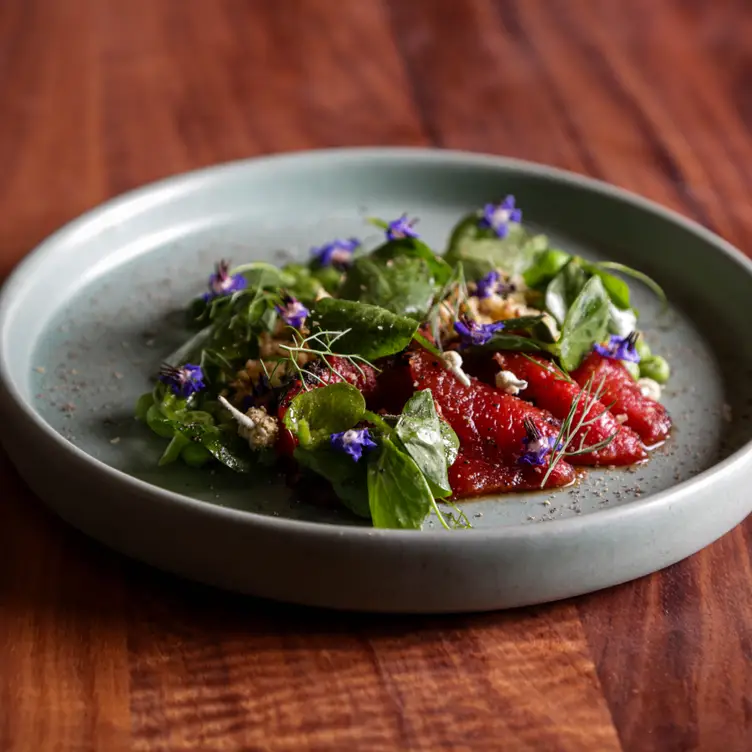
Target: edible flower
401	228
497	217
537	447
183	380
353	442
223	283
336	253
472	333
620	348
292	311
490	285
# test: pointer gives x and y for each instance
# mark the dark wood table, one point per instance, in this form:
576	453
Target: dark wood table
99	96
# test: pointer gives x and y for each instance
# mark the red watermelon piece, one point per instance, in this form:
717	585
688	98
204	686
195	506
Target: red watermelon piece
648	418
490	428
547	389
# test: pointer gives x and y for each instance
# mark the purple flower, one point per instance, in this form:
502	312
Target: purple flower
353	442
223	283
537	447
182	380
497	217
490	285
620	348
473	333
292	311
401	228
336	253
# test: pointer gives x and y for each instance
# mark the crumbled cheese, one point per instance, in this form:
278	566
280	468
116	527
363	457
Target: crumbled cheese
256	426
649	388
509	383
453	361
621	418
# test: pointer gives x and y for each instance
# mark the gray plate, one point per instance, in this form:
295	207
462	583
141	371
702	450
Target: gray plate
86	319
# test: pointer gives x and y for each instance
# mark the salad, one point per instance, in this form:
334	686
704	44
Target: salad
401	381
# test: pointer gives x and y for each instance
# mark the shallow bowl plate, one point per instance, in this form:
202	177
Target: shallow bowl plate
86	319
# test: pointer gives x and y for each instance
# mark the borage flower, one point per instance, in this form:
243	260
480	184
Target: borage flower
292	311
620	348
536	447
336	253
223	283
401	228
182	380
490	285
498	217
472	333
353	442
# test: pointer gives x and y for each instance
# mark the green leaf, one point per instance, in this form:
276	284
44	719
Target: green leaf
513	342
398	494
304	285
419	430
264	275
373	331
545	267
617	289
174	448
649	282
404	285
415	248
348	478
564	288
316	414
222	443
585	324
450	442
480	249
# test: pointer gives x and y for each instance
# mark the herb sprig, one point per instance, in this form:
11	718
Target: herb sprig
570	427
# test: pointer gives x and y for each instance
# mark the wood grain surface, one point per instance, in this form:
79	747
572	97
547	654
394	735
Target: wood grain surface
99	96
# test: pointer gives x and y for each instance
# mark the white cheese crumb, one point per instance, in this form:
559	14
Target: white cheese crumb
256	426
649	388
453	361
509	383
621	418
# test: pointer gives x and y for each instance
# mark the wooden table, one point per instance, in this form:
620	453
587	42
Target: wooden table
99	96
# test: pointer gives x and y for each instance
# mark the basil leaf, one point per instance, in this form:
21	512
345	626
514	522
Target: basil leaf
374	331
649	282
264	275
419	430
316	414
513	342
404	285
481	250
563	289
398	494
450	442
585	324
348	478
304	286
546	266
617	289
415	248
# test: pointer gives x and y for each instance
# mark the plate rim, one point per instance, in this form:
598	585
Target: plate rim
123	206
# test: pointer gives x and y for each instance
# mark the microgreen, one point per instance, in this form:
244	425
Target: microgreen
587	398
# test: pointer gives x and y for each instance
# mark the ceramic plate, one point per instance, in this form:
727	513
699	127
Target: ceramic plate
86	319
